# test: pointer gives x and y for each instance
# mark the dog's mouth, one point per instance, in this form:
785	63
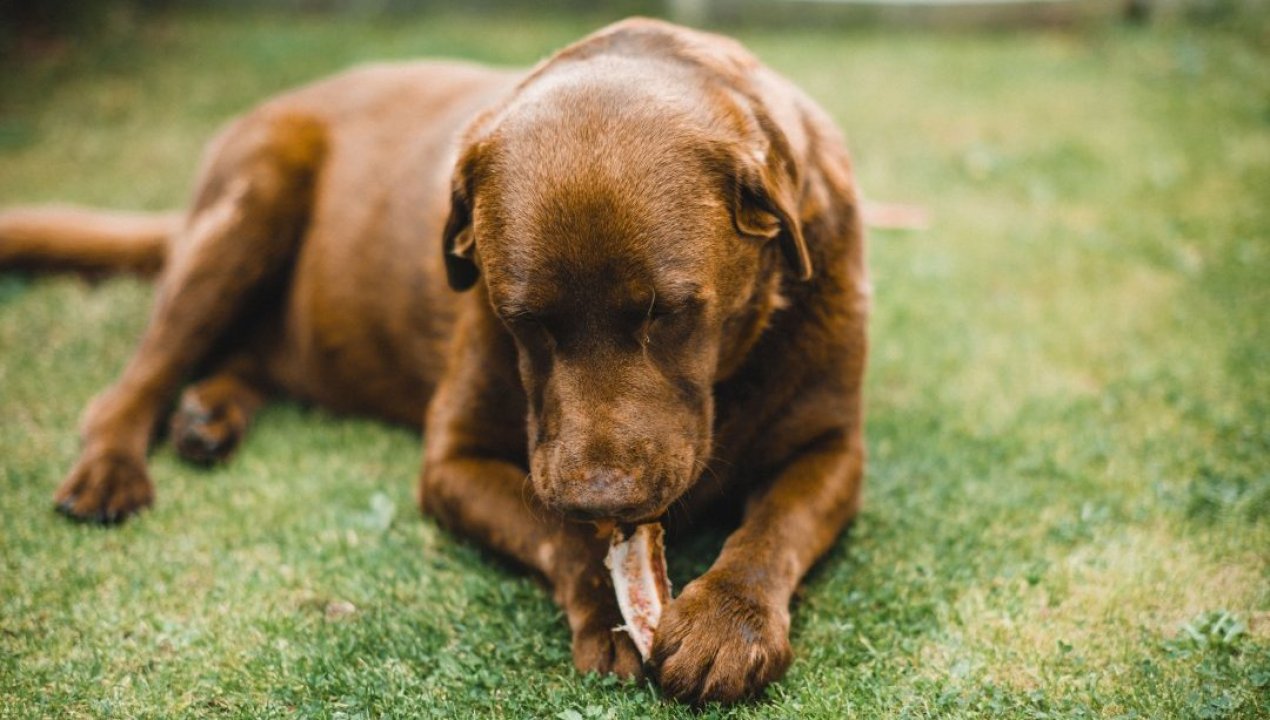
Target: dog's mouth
625	528
607	521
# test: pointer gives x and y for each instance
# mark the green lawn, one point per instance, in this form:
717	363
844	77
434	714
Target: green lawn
1068	502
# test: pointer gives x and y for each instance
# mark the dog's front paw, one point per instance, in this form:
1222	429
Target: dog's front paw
599	647
720	641
105	488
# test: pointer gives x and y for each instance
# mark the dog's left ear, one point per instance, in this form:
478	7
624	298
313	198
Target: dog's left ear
765	202
458	242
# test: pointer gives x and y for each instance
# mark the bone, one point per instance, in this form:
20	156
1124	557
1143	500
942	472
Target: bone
637	565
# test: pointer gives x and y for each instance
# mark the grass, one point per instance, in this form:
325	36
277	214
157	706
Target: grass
1068	503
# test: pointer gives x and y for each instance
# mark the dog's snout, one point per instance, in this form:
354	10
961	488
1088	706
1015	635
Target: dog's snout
605	493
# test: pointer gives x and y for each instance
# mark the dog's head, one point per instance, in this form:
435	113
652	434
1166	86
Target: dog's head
632	220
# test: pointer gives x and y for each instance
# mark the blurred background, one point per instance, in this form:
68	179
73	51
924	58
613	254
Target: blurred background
166	70
26	24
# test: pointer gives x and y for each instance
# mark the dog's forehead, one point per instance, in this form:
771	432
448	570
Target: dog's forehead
602	233
593	243
601	186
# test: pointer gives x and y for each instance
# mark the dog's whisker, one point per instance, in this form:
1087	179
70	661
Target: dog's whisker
681	507
706	469
716	458
526	489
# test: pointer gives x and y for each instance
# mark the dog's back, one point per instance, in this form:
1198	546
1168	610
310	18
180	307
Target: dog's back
366	310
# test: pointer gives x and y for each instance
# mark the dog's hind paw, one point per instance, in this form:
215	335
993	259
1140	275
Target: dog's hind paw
206	432
105	488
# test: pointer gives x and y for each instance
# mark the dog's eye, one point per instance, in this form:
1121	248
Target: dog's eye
654	317
531	330
659	314
520	319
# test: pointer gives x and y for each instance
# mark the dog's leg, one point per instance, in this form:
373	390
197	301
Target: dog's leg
727	634
475	482
246	225
213	414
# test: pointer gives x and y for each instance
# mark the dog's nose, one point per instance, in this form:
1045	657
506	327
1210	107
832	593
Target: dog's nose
605	493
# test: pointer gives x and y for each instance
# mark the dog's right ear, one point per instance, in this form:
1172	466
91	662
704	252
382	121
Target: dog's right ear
458	243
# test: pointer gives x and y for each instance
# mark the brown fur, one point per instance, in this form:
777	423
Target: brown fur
62	237
665	302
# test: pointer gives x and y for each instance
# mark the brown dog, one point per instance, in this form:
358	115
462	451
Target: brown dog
661	249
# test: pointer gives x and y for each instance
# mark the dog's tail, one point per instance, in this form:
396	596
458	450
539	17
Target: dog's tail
83	240
894	216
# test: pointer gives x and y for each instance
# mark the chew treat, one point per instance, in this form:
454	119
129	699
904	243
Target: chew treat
637	564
